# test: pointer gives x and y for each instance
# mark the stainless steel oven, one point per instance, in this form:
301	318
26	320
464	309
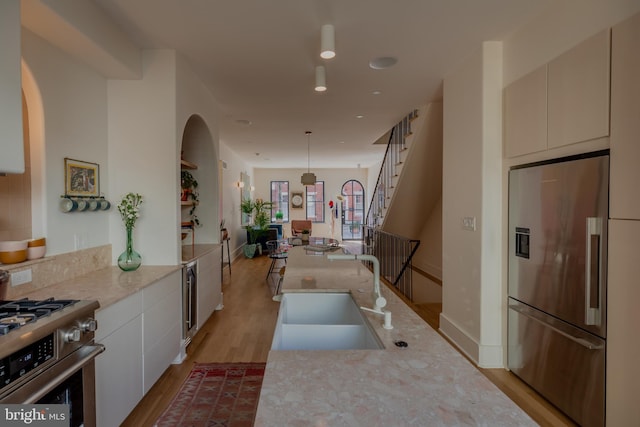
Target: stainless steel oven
47	355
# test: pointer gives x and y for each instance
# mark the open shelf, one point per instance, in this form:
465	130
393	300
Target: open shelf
185	164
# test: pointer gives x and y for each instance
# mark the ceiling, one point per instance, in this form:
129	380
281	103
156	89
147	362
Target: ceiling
258	58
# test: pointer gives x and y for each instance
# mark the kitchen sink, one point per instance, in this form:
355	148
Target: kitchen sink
322	321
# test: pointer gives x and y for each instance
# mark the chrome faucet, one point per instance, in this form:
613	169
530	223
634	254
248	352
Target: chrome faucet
378	300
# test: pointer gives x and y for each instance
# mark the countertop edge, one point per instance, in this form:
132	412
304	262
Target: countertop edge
108	285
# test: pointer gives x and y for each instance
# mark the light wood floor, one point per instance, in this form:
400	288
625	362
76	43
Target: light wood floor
243	330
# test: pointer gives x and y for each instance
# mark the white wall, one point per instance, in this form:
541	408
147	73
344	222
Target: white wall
142	157
462	197
193	98
333	181
231	196
74	105
472	187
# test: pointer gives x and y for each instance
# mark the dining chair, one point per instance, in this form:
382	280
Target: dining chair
277	250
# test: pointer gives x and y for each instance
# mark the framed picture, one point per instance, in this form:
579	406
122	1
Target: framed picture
81	178
297	200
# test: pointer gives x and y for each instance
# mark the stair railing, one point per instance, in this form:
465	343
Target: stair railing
395	254
389	170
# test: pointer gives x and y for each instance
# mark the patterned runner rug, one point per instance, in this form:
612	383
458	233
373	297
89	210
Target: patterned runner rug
216	394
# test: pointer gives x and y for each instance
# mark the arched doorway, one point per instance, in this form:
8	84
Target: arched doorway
352	210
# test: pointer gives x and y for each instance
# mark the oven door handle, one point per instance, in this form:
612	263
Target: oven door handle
56	374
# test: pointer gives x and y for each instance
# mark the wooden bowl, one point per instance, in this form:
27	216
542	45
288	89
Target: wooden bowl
12	257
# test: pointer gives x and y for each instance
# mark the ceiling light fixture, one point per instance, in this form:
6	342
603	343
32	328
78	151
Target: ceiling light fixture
321	79
308	178
327	42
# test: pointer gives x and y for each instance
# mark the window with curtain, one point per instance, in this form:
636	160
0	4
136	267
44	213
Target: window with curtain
315	202
280	200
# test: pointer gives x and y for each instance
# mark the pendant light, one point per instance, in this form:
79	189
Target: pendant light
308	178
321	79
327	41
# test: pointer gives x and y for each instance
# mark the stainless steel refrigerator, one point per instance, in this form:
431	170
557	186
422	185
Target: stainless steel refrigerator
558	214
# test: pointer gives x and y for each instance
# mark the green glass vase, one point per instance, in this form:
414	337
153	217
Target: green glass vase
129	260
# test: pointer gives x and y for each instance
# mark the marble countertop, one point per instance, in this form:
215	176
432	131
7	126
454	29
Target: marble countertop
193	252
107	286
427	383
110	285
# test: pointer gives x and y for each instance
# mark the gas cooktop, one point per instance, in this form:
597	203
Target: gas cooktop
14	314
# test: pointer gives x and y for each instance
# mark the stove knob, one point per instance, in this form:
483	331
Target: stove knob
89	325
72	335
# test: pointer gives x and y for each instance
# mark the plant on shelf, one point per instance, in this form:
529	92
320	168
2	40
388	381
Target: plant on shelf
189	186
279	217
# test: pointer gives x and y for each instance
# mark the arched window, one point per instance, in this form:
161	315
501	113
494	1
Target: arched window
352	210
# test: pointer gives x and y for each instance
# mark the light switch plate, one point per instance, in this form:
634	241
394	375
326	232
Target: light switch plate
469	223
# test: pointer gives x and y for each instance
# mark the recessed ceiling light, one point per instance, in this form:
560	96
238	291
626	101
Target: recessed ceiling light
244	122
359	116
341	142
376	92
383	62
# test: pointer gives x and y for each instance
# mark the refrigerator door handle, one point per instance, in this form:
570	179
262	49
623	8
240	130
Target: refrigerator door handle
527	312
593	268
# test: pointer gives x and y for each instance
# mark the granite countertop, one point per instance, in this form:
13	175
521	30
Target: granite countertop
427	383
107	286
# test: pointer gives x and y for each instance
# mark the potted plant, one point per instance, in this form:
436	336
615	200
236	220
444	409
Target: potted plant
279	217
259	210
189	185
305	235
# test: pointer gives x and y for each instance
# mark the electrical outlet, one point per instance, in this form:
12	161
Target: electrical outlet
21	277
80	241
469	223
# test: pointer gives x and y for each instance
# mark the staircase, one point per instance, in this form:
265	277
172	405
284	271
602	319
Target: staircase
394	158
407	197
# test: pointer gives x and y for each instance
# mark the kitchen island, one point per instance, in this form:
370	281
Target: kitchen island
427	383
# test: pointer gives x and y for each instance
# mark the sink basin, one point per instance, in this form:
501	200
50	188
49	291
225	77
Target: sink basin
322	321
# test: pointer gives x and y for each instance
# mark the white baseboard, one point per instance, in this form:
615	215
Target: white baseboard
484	356
464	342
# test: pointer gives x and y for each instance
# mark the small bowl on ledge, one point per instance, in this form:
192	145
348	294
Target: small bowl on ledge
35	252
37	242
13	257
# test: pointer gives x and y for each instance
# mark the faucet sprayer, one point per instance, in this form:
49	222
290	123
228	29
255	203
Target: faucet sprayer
378	300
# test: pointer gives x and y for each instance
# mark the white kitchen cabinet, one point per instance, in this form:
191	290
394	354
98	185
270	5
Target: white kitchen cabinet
12	139
141	334
578	92
525	114
162	332
625	119
209	284
119	369
623	318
